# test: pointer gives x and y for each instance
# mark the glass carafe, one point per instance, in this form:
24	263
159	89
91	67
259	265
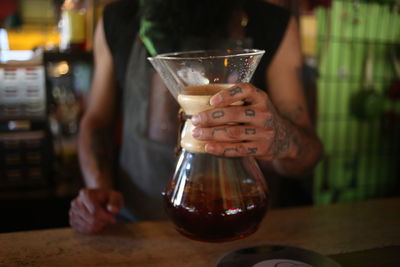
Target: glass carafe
211	198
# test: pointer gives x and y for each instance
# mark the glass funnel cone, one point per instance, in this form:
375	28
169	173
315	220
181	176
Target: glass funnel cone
211	198
208	67
194	77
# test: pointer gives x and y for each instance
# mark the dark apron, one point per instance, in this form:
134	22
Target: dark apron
145	165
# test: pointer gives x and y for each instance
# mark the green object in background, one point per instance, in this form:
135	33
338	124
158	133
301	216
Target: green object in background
13	21
366	104
361	160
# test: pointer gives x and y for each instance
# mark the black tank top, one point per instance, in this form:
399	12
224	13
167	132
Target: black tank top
266	27
138	179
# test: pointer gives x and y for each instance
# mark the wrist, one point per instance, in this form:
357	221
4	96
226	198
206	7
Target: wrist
99	182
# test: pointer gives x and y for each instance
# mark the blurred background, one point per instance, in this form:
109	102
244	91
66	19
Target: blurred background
351	76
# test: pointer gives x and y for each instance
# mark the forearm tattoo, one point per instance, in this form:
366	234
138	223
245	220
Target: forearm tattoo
269	123
303	146
292	116
234	91
281	142
218	114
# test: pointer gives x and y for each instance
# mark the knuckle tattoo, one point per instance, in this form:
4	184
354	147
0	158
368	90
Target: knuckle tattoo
251	150
214	130
250	131
218	114
250	113
230	149
234	91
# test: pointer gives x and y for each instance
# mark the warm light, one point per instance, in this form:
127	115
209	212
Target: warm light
225	62
63	67
60	68
30	37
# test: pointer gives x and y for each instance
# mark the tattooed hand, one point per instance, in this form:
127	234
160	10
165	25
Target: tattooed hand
254	129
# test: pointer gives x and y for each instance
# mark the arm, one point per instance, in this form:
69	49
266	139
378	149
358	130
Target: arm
273	127
287	94
96	128
95	206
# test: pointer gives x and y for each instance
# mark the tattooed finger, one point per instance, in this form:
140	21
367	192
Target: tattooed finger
252	150
214	130
254	116
250	131
241	149
235	90
218	114
241	91
232	133
230	149
250	113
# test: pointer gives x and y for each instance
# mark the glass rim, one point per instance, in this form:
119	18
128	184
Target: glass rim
229	53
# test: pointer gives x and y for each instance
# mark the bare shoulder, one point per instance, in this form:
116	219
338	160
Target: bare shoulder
101	103
284	77
101	49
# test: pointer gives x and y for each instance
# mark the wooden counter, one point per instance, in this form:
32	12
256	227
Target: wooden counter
333	229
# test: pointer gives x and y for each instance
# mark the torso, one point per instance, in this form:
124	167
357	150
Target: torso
150	112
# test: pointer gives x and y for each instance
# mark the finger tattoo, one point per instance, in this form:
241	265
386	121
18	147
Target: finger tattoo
250	113
214	130
250	131
226	150
217	114
234	91
251	150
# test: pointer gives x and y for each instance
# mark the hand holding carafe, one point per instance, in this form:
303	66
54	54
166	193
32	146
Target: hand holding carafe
212	197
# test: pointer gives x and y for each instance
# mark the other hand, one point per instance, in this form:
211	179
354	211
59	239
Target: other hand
93	209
